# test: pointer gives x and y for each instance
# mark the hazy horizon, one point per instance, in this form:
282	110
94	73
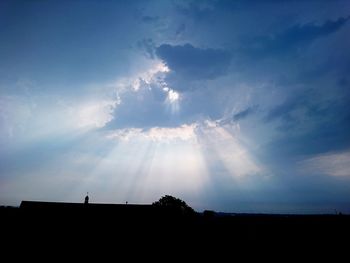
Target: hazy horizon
232	106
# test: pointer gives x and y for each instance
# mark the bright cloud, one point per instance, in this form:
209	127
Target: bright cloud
222	144
333	164
185	132
152	75
31	118
218	143
173	96
95	114
14	113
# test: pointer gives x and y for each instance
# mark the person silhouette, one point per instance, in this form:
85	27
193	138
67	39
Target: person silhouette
86	198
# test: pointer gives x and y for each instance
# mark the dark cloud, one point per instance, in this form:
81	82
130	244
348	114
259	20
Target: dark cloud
150	19
148	46
198	10
195	63
343	82
144	108
284	110
180	30
292	38
244	113
324	138
310	126
307	100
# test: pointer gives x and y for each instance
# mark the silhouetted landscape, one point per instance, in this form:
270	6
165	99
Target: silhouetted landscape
168	220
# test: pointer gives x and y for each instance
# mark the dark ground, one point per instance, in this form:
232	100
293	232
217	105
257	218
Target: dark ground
146	233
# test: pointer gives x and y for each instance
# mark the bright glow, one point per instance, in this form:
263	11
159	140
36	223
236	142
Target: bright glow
33	119
14	113
136	84
96	114
147	77
215	141
172	100
184	132
333	164
161	67
165	135
223	145
142	165
173	96
152	78
145	164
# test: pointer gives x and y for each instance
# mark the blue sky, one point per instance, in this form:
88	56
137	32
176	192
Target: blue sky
238	106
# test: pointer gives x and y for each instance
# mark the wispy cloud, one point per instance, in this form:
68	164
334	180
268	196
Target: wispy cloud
39	117
292	38
95	114
185	132
218	143
195	63
244	113
333	164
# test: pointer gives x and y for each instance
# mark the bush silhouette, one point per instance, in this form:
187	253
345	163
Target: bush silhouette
209	214
173	205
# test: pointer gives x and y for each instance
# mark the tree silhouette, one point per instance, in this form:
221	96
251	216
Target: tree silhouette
173	205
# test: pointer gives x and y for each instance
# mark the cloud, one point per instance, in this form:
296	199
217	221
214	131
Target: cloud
173	96
14	114
291	38
180	30
185	132
195	63
285	109
96	114
244	113
219	144
31	118
198	10
309	124
146	100
150	19
148	46
152	75
223	147
332	164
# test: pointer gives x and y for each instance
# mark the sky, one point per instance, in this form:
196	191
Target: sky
233	106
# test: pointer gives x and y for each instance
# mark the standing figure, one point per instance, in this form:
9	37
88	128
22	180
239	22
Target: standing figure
86	198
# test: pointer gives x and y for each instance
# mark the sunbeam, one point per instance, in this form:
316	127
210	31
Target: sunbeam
221	144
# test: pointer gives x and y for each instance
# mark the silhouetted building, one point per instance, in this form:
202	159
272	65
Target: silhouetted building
60	208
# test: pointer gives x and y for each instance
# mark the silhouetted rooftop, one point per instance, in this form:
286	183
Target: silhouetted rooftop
59	206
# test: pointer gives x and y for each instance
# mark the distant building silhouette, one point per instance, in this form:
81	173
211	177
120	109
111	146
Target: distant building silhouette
61	207
170	207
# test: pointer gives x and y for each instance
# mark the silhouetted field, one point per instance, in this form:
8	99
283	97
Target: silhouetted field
167	230
139	224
